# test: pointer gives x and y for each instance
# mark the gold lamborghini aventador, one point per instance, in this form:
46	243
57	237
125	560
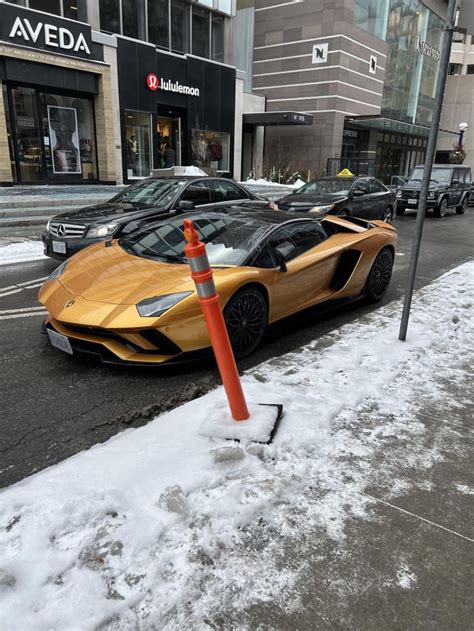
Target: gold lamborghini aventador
132	300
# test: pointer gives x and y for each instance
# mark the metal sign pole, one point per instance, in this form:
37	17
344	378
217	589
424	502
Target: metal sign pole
430	153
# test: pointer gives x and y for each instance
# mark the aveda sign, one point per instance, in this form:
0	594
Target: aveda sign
49	35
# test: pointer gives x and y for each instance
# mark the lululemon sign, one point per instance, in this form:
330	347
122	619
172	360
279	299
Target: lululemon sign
32	29
154	83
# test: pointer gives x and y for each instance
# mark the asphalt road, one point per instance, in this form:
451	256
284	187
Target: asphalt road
53	405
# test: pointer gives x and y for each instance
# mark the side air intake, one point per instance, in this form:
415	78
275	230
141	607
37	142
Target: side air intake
344	269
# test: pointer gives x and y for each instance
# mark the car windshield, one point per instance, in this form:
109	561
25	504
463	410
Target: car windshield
327	186
228	239
156	192
437	175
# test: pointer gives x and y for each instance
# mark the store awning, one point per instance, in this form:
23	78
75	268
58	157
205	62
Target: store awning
392	125
265	119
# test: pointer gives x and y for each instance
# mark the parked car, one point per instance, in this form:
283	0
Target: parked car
450	187
145	201
351	196
132	300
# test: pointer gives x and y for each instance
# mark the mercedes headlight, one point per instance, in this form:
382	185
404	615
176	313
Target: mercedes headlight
47	225
58	271
431	195
154	307
399	192
102	231
322	209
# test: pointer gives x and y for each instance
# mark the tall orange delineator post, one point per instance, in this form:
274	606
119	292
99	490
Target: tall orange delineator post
209	300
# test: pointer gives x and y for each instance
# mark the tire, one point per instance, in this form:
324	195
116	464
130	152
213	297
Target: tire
246	318
400	211
440	210
387	215
379	276
463	207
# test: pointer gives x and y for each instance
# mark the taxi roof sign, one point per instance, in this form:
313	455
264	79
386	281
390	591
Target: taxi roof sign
345	173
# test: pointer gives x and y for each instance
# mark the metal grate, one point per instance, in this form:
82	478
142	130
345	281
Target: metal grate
61	229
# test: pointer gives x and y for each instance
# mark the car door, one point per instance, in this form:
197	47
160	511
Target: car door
309	269
361	199
225	192
198	192
380	198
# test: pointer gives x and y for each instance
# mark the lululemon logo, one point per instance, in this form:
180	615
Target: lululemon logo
152	81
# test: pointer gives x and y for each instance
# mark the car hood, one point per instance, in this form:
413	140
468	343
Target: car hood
104	213
417	187
111	275
307	200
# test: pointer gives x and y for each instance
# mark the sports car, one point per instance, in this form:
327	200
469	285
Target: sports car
133	301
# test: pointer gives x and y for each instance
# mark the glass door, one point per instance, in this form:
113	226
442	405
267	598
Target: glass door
27	139
176	134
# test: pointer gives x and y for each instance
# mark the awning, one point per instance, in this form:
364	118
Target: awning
265	119
392	125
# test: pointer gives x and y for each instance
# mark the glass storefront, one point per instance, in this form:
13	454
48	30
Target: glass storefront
52	136
210	150
138	144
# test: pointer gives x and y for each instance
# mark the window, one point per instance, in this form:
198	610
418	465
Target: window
138	135
200	38
109	11
158	23
302	235
210	150
454	69
226	191
263	258
198	193
180	26
48	6
133	18
470	69
217	51
371	15
377	187
362	185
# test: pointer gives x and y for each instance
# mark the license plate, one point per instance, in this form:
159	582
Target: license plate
59	247
59	341
413	201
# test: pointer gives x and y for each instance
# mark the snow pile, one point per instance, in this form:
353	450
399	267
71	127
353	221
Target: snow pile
21	251
262	182
167	527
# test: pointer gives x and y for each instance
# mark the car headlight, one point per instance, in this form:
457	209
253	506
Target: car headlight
431	195
322	209
102	231
154	307
58	271
47	225
399	193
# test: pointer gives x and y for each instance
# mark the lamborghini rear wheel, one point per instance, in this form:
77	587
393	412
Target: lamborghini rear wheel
380	275
246	318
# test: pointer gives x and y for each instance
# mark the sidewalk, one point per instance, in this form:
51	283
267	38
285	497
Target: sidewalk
358	516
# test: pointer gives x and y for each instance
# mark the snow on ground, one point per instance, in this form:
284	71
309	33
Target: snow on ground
166	527
262	182
21	251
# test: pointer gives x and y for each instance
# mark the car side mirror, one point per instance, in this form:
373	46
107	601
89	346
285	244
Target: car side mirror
185	205
358	192
454	181
282	254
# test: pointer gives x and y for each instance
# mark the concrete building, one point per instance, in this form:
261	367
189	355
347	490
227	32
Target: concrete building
364	69
95	90
458	105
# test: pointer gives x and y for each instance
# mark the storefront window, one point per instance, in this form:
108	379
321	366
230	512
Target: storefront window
179	26
158	23
28	144
217	53
109	11
137	138
68	137
210	150
201	24
9	132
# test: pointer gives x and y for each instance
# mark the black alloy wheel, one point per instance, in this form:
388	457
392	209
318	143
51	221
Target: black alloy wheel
380	275
387	215
463	207
246	318
440	210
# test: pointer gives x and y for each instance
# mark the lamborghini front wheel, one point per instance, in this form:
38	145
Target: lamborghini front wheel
246	318
380	275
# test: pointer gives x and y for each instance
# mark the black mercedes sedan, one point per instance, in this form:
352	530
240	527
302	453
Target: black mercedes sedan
364	197
138	205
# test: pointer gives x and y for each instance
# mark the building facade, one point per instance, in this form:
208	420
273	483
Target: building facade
94	91
365	69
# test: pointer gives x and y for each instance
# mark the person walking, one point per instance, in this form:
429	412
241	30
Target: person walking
169	156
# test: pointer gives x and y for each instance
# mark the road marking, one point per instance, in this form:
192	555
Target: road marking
14	289
24	312
19	310
432	523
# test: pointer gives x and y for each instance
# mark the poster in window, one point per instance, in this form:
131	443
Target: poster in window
64	136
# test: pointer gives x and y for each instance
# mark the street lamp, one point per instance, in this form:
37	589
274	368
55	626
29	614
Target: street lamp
463	127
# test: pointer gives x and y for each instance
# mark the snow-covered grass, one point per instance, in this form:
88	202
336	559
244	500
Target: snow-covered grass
166	527
21	251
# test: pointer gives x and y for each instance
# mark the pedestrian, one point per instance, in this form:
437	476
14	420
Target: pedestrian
169	156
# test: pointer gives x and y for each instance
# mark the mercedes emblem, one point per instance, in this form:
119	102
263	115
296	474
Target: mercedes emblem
61	230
